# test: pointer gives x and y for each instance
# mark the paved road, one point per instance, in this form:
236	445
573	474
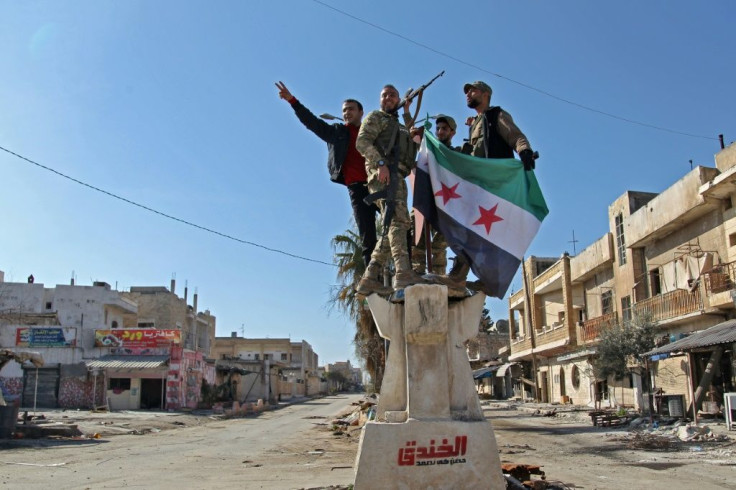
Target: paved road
274	451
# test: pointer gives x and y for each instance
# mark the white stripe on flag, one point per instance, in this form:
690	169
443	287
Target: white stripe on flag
513	234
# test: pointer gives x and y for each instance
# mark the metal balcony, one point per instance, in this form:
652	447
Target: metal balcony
590	329
670	305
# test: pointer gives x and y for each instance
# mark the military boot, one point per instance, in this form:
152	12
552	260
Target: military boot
439	262
459	272
371	283
405	275
419	260
457	276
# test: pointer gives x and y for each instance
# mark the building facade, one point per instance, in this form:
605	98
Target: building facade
669	256
296	362
99	352
60	324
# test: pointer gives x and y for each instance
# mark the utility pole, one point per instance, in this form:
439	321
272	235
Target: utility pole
573	241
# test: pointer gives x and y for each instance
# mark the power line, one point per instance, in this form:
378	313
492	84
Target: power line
522	84
174	218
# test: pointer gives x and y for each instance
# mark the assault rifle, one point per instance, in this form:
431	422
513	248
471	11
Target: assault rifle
411	94
392	161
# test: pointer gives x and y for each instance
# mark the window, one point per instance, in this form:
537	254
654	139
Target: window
656	282
620	240
145	324
607	302
48	305
626	308
732	240
119	384
266	357
560	318
114	324
575	375
257	357
284	357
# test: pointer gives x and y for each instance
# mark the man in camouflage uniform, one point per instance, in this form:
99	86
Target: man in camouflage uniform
493	134
375	144
445	130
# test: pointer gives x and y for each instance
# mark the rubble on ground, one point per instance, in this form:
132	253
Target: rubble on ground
363	411
673	437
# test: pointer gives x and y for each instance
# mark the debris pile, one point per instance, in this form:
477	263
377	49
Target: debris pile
692	432
648	441
365	409
659	438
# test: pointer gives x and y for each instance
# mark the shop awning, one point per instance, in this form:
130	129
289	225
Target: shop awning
127	362
723	333
485	372
503	368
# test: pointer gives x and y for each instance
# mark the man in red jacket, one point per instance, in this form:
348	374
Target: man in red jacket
345	164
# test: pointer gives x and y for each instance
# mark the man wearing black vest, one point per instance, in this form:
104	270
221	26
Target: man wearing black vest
493	134
345	164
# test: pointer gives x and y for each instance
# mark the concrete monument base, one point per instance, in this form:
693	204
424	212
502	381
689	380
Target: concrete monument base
430	431
447	455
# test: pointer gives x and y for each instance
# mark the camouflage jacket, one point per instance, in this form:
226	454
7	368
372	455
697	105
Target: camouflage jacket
374	137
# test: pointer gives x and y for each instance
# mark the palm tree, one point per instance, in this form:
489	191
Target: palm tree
369	346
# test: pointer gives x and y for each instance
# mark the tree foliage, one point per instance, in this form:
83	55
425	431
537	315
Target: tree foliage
620	347
369	346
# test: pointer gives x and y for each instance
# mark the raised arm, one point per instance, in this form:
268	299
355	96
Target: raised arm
323	130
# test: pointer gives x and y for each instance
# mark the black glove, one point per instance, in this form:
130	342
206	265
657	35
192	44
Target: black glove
527	158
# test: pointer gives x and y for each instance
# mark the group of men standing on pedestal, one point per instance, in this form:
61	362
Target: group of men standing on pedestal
361	154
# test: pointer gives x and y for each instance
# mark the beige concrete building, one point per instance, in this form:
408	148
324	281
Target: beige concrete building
352	374
159	307
59	323
670	255
297	362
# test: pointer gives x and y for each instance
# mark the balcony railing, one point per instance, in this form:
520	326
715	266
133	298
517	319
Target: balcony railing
670	305
720	278
591	329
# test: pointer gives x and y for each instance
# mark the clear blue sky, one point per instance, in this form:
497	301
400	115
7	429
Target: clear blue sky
173	105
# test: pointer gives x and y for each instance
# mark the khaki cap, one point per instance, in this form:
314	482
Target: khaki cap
479	85
447	119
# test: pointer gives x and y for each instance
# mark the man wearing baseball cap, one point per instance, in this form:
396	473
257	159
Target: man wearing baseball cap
446	128
493	134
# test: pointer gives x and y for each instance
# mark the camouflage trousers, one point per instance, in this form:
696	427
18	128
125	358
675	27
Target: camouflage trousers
394	245
419	252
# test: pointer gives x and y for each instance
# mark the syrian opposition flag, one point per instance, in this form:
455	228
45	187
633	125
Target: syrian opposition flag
488	209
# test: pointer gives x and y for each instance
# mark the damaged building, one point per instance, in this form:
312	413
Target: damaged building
669	256
98	353
267	369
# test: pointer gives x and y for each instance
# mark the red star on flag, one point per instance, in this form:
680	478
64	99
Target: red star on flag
448	193
488	217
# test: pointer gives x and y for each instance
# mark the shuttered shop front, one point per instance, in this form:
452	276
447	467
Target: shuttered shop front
46	392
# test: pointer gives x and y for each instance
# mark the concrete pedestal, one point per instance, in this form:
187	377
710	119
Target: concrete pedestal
416	454
430	433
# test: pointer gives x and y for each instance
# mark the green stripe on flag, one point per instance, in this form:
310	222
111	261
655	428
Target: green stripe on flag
505	178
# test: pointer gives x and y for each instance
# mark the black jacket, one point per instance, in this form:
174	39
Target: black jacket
337	137
495	146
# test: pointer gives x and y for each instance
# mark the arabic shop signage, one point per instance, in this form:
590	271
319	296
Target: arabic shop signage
433	454
138	338
45	337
